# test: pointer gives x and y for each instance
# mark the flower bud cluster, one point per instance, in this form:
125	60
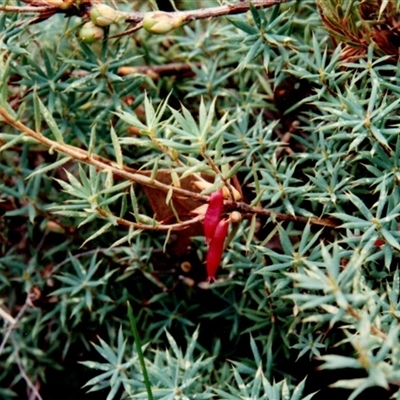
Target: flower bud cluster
101	16
160	22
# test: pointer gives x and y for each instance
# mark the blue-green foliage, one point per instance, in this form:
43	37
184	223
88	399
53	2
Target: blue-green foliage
273	101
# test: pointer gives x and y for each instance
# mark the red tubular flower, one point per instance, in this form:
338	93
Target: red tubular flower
213	214
216	249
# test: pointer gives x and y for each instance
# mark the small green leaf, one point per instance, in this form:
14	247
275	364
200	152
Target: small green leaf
117	147
50	121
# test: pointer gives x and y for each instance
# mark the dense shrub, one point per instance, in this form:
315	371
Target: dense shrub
118	123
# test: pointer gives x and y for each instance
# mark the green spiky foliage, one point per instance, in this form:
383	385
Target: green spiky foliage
109	152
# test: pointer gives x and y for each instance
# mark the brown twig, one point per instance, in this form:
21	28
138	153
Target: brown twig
35	393
211	12
139	25
374	330
26	9
245	208
156	71
179	226
137	17
13	322
101	163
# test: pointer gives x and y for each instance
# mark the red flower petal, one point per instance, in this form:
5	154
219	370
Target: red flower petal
216	248
213	214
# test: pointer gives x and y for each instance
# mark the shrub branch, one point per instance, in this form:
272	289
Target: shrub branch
106	165
81	8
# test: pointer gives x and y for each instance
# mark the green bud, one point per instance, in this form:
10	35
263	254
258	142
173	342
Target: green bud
103	15
90	33
160	22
